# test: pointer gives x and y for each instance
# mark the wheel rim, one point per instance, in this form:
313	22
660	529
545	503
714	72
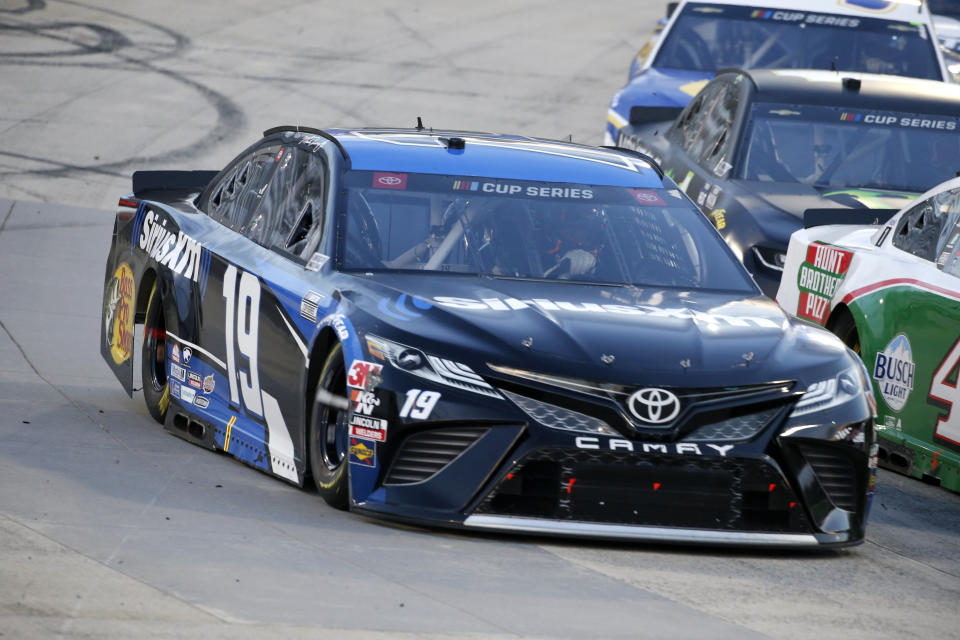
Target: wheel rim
332	424
155	337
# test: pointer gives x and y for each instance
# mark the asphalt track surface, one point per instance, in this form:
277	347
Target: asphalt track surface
111	528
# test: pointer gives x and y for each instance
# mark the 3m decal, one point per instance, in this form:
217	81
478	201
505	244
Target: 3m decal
682	448
819	278
194	380
209	384
894	371
364	375
368	428
179	252
363	452
945	392
202	401
419	404
178	372
383	180
364	402
118	314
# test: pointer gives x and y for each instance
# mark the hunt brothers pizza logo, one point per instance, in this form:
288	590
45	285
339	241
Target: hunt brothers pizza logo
819	278
118	314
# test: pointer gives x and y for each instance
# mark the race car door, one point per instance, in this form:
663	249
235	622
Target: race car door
274	201
703	141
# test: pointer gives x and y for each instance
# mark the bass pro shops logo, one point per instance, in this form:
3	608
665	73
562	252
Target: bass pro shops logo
894	370
118	314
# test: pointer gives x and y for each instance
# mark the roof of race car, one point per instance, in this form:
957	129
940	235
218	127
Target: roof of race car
493	156
876	92
908	10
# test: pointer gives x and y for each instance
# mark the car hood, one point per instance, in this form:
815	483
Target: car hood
660	88
626	335
794	198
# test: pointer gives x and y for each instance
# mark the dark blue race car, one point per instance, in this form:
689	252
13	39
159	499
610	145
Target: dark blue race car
489	332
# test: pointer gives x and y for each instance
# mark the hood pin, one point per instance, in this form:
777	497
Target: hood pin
607	358
527	342
747	357
685	363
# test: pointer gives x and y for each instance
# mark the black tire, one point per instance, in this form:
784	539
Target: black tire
327	435
846	329
153	358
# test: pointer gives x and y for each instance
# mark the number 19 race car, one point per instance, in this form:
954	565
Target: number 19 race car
487	332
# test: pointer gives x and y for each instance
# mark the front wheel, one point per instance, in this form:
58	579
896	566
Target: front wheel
327	436
153	358
846	329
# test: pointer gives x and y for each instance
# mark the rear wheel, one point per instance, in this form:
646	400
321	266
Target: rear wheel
327	436
153	358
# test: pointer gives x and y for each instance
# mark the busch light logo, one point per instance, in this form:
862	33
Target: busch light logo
894	371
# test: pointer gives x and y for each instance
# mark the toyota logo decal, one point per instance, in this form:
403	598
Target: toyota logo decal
655	406
389	180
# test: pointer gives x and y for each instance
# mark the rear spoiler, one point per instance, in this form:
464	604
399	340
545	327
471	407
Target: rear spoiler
144	181
820	217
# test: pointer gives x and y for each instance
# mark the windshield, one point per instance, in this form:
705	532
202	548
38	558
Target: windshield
532	230
831	147
712	37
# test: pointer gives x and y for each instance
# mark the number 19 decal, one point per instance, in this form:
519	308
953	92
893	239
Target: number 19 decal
948	394
243	308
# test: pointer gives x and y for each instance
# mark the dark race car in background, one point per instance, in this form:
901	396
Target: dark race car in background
697	39
489	332
758	150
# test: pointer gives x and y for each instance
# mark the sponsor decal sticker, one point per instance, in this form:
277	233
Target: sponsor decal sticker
202	401
317	260
419	404
309	305
802	18
382	180
194	380
178	372
177	251
175	353
465	185
647	197
174	388
187	355
187	394
893	422
819	278
364	402
368	428
209	384
363	452
118	314
894	371
364	375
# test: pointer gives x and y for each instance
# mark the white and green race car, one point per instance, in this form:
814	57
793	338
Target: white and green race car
892	293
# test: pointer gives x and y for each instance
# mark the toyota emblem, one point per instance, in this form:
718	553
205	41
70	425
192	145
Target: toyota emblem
389	180
654	406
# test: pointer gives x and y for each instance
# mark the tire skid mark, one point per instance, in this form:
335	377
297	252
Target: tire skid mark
230	119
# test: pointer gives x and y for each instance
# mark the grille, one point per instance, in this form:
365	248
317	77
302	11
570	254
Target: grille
648	489
558	417
424	454
836	473
737	428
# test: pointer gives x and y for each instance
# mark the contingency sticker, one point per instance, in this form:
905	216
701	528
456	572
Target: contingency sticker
894	371
118	314
818	279
368	428
363	452
364	375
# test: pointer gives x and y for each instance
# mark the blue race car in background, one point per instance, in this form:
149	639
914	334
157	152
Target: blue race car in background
489	332
699	38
